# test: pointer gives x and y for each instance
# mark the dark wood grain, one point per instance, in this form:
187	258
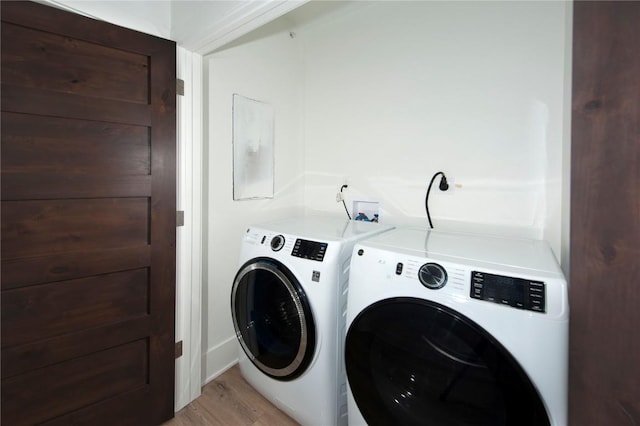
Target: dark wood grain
20	359
32	228
59	146
88	192
131	408
34	101
55	62
86	303
73	384
19	272
605	215
163	232
37	186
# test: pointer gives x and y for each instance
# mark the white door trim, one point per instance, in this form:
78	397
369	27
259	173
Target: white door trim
189	236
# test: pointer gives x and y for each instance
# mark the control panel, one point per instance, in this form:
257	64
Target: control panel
516	292
311	250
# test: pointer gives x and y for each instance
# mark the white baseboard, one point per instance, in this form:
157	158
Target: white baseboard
219	359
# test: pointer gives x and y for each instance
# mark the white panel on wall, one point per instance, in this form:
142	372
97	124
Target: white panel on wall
252	148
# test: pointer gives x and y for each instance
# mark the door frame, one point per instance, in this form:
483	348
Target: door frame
189	249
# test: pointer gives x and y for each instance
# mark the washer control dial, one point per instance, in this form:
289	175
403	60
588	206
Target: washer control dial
277	243
432	276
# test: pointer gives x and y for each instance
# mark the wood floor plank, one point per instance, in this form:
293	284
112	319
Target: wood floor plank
228	401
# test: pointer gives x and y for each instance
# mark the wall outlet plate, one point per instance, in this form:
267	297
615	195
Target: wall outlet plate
453	186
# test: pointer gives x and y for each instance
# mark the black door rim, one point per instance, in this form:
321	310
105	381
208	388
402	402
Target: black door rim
306	347
363	353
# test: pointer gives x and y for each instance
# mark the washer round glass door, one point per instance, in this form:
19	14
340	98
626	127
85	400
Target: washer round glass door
272	318
415	362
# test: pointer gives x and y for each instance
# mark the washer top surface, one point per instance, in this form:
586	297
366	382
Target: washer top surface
496	251
326	228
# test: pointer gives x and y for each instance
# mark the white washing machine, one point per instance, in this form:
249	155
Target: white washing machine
456	329
288	304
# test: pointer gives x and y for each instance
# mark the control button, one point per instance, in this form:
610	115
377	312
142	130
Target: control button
277	243
360	252
432	276
399	268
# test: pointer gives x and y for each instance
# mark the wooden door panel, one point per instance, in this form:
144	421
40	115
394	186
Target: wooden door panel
88	192
54	62
86	303
71	385
46	157
35	101
58	267
604	369
69	147
22	358
32	228
126	409
37	186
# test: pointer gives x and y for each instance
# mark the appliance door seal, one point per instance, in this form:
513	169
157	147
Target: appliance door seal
411	361
272	318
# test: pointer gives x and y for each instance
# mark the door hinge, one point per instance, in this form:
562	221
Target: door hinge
179	87
178	349
180	218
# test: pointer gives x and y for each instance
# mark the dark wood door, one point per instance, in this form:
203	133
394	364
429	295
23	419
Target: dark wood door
605	215
88	220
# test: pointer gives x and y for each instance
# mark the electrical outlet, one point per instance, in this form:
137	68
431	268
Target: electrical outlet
453	186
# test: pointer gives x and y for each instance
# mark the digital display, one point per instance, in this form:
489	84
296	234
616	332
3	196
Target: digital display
504	290
515	292
312	250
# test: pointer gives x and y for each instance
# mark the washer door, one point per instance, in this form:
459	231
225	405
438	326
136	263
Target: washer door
415	362
272	318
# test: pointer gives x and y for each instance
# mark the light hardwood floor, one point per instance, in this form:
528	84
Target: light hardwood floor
228	401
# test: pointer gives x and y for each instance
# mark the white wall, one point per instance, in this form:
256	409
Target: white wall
565	220
396	91
264	66
381	95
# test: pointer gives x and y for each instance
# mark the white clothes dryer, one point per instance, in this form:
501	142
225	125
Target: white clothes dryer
288	303
456	329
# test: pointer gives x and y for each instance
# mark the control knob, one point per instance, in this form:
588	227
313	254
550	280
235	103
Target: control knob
432	276
277	243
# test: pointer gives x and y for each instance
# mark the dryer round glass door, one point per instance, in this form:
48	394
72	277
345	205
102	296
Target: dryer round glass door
272	318
415	362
